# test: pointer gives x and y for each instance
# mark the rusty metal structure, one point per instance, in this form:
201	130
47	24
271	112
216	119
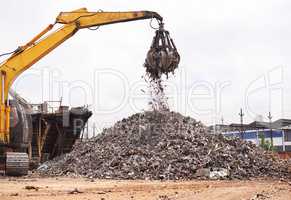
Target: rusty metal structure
54	133
44	130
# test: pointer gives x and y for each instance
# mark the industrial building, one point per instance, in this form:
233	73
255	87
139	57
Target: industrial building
277	133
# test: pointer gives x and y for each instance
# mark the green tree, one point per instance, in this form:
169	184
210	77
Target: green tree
266	144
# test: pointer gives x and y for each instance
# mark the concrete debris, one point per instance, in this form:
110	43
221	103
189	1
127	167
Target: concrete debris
42	167
165	146
215	173
218	173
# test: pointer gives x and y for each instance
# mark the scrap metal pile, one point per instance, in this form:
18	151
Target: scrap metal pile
164	145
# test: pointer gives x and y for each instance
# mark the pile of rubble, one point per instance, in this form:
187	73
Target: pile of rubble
164	145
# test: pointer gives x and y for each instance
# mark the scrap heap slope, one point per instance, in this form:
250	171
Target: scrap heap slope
163	145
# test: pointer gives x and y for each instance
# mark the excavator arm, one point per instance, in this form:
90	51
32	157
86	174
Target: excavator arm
25	56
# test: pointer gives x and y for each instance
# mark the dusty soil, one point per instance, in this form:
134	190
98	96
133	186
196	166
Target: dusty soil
79	188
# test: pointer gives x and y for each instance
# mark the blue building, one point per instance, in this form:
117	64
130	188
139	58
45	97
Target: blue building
281	137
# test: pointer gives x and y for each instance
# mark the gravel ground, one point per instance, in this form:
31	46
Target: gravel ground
80	188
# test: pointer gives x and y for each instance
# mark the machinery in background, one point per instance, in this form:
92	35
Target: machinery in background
43	130
54	132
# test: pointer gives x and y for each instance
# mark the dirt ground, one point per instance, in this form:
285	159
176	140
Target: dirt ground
78	188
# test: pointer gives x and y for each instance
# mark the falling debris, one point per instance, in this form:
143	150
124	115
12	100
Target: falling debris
158	100
165	146
162	59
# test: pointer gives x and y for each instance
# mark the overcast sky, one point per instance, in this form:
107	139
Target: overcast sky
234	54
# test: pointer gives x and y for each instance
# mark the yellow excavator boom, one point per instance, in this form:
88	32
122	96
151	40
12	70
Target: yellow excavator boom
25	56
